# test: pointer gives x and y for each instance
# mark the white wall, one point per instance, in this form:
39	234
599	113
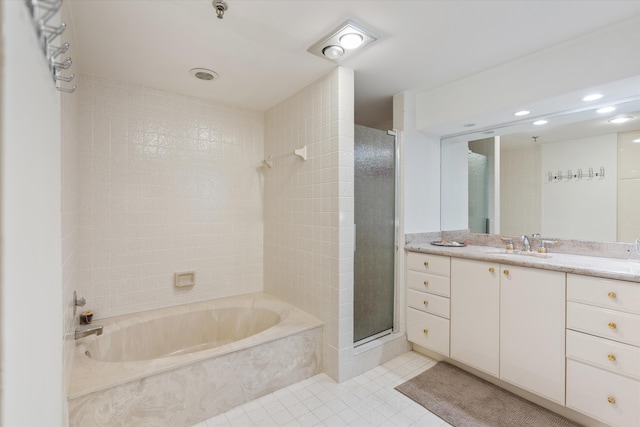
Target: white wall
564	68
580	209
168	184
309	210
420	169
31	293
455	185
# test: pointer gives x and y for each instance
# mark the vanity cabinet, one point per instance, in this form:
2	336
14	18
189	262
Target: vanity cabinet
508	321
428	292
603	349
532	330
475	314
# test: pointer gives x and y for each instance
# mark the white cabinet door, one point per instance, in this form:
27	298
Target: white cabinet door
475	314
532	330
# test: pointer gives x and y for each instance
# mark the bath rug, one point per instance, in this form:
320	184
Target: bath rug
464	400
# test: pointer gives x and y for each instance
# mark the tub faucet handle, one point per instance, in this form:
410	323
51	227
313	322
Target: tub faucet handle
77	302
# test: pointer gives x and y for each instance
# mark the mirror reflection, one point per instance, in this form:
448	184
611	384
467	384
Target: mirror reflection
579	180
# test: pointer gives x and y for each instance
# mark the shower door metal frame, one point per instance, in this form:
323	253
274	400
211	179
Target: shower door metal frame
396	224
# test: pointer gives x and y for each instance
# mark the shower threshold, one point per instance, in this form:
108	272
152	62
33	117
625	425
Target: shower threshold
372	338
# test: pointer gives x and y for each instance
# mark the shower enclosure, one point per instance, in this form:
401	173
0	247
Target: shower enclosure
478	193
375	160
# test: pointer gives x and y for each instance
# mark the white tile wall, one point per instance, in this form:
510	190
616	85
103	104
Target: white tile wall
309	209
70	210
168	184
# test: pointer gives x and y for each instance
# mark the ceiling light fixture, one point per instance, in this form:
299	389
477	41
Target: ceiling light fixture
637	140
522	113
351	40
605	110
622	119
221	7
343	42
540	122
204	74
592	97
333	52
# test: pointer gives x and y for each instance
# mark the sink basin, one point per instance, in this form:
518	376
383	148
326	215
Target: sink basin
519	253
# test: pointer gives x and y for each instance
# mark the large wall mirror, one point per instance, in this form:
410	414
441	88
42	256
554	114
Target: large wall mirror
576	179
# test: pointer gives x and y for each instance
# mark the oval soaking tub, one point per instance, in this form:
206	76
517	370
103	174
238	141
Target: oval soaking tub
182	365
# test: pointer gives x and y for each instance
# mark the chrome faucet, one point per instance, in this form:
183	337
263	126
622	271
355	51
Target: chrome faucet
86	330
526	245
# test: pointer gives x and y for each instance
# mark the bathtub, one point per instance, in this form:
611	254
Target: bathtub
179	366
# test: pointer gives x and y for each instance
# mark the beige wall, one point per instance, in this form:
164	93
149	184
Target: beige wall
628	187
168	184
520	191
309	209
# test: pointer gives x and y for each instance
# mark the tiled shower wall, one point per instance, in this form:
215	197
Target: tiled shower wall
309	209
168	184
70	222
70	161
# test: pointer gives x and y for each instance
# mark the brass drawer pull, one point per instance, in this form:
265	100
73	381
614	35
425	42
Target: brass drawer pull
425	302
612	357
426	264
491	270
612	295
425	331
611	399
506	272
426	283
612	325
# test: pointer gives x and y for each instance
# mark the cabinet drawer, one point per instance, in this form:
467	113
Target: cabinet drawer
621	358
606	396
438	285
608	293
611	324
434	264
429	303
428	331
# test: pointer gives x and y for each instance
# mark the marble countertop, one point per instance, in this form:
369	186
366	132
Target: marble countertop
610	268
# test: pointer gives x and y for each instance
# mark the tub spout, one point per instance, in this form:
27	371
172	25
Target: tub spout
86	330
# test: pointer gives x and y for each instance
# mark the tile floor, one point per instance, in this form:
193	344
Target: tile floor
366	400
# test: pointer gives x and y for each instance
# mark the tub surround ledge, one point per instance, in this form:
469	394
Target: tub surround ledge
186	389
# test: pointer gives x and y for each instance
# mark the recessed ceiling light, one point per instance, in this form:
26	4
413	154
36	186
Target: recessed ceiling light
540	122
351	40
637	140
622	119
604	110
333	52
522	113
592	97
204	74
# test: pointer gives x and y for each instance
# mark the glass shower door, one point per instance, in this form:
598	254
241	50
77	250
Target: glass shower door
375	237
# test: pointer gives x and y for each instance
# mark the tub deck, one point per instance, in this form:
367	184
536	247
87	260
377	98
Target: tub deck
185	389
